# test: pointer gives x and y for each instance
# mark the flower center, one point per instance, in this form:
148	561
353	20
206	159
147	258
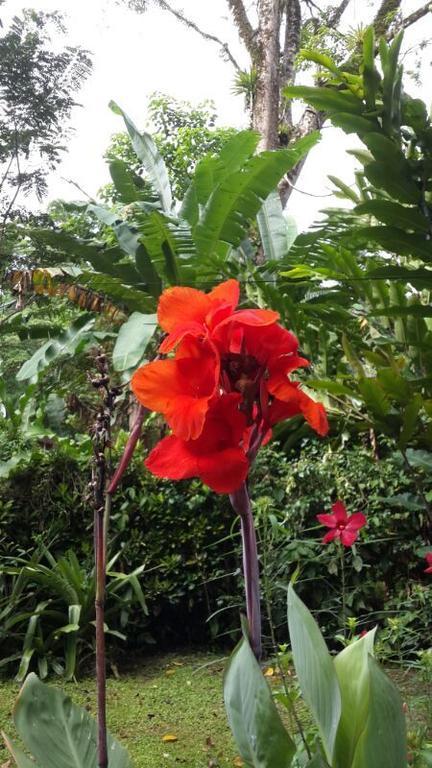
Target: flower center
242	373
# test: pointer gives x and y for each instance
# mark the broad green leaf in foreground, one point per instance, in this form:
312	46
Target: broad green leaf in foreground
315	670
57	732
352	669
383	742
256	725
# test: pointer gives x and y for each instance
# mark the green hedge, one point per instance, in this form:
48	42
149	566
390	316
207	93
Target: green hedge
188	539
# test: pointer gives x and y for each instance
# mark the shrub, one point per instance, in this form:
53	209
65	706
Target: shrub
187	539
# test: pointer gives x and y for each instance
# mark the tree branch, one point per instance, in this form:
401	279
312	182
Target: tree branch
337	14
206	35
384	16
290	51
245	28
416	16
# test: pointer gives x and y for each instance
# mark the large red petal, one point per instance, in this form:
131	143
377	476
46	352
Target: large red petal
224	471
328	520
279	411
356	521
225	424
340	512
181	330
172	460
182	305
226	293
333	534
181	389
314	413
348	537
156	384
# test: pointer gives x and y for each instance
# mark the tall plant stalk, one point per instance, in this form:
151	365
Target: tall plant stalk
101	438
100	567
240	502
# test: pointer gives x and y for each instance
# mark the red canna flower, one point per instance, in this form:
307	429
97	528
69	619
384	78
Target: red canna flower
225	360
429	562
181	388
342	526
217	456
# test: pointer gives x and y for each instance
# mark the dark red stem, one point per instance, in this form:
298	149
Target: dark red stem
100	562
129	449
241	504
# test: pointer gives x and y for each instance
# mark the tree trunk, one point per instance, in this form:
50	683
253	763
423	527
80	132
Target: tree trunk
266	62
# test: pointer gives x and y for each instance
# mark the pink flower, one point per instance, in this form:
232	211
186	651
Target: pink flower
342	526
429	562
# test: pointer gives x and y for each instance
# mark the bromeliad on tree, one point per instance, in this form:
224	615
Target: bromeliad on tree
226	385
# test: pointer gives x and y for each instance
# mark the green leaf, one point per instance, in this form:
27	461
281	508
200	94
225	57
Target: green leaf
419	278
123	181
345	189
64	344
352	669
395	179
394	214
353	123
237	199
131	243
326	99
254	720
383	742
132	340
117	291
397	241
410	421
374	396
419	459
315	670
320	58
71	642
147	152
317	762
57	732
235	152
371	77
6	467
18	755
277	232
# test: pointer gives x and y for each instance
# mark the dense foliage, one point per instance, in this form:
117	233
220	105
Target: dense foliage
189	554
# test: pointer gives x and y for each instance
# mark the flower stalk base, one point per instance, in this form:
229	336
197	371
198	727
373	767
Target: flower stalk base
240	502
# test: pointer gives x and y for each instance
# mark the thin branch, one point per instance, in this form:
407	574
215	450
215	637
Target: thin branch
416	15
246	31
75	184
206	35
337	14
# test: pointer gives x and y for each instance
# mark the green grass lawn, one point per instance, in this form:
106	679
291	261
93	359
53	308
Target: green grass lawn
176	696
165	696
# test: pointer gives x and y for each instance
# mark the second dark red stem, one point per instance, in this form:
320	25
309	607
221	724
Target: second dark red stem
100	563
241	504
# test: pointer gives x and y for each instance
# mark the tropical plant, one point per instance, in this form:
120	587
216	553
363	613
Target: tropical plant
356	708
49	609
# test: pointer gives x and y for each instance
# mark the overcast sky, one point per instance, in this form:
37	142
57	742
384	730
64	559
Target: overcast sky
135	55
